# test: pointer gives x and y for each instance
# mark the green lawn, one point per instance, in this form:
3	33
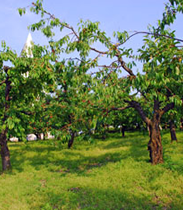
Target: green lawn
113	174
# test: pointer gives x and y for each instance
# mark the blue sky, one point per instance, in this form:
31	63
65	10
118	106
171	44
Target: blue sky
113	15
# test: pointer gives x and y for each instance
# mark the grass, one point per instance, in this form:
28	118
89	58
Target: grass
113	174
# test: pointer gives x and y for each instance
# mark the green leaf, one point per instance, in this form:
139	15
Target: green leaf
177	70
10	123
21	11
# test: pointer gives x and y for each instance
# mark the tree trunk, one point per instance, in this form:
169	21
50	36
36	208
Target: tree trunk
39	136
71	140
5	154
104	132
103	136
148	129
172	131
166	126
155	145
181	124
123	131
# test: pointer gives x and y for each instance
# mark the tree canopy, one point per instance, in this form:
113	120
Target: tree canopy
75	82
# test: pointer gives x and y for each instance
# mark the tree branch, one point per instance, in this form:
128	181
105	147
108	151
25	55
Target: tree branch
118	109
149	33
26	113
98	51
123	65
139	109
6	68
168	107
3	82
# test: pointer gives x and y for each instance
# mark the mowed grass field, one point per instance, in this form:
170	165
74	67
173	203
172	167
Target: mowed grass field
113	174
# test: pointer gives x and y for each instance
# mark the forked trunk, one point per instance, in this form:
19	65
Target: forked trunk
155	145
5	154
172	131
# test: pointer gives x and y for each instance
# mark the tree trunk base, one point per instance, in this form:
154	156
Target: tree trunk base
71	140
122	131
172	132
155	145
155	153
5	156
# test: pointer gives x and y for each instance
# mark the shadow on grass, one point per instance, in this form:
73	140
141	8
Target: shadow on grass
88	198
67	164
136	145
128	140
46	154
59	159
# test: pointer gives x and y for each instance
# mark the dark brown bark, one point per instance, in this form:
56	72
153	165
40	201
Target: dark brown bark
104	132
2	82
123	64
166	126
155	145
118	109
71	140
122	131
172	131
168	107
5	154
136	105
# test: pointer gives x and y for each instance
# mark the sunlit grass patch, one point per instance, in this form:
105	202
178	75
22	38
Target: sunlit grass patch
107	174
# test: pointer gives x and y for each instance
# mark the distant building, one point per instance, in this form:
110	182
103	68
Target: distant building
27	47
28	52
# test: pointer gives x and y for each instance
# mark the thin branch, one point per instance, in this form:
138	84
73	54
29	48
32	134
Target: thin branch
123	64
93	49
98	51
107	111
3	82
149	33
27	113
6	68
119	109
111	66
168	107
